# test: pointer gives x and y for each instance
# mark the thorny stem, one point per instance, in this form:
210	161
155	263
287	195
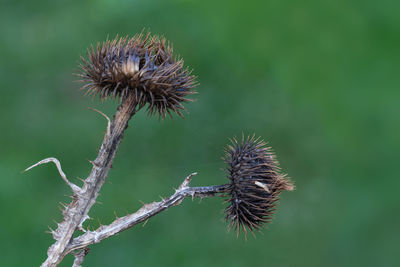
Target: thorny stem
80	256
77	211
144	213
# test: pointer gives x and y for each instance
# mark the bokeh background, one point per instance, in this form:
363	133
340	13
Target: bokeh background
319	80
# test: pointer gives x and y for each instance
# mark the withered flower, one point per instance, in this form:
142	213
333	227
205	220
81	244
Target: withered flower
142	66
255	183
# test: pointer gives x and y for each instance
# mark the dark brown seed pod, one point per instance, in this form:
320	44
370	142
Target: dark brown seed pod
142	66
255	183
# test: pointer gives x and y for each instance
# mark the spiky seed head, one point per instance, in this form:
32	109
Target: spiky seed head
255	183
142	66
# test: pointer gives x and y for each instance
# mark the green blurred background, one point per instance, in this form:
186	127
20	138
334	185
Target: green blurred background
319	80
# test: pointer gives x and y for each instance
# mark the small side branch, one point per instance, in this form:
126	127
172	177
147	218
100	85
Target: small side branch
76	189
106	117
144	213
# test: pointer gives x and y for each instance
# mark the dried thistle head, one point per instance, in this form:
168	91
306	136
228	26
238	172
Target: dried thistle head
255	183
143	67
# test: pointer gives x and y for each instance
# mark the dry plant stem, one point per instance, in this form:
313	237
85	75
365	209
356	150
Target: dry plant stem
144	213
77	211
79	257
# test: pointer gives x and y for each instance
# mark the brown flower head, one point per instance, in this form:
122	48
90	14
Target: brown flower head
255	183
142	66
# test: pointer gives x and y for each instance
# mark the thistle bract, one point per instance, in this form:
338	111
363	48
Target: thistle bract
143	67
255	183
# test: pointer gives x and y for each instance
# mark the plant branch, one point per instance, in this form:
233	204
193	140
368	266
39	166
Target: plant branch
144	213
77	211
80	256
